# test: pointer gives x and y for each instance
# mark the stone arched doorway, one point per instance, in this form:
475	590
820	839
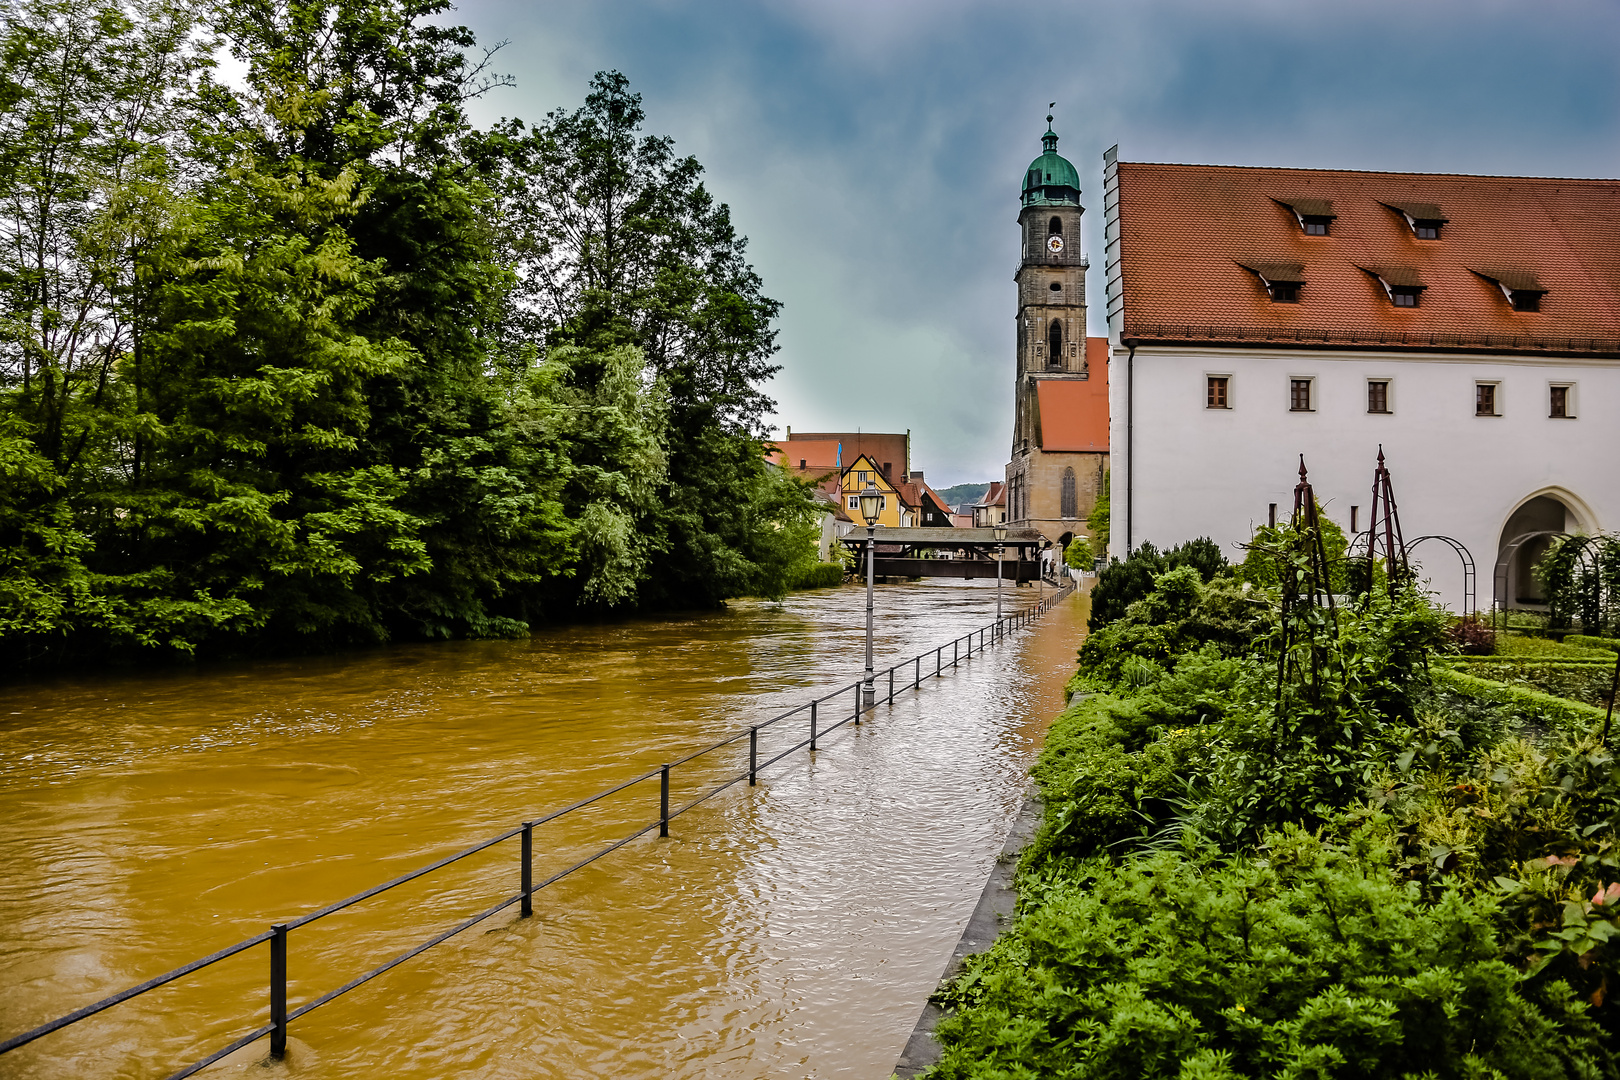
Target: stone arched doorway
1529	531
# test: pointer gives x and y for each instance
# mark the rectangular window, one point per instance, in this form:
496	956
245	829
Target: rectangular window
1525	300
1427	230
1485	399
1355	520
1271	516
854	502
1314	225
801	463
1403	297
1378	395
1299	395
1561	403
1285	292
1216	398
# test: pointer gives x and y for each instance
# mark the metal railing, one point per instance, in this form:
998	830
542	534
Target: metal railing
277	935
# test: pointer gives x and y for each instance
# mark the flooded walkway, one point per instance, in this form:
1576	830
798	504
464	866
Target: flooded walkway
789	930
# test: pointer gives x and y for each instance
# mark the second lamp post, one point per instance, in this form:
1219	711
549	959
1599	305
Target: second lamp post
871	503
1001	534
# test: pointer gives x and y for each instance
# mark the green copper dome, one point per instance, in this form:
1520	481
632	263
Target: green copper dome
1050	178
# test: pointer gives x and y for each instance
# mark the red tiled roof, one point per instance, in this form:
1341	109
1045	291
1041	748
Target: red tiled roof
1189	231
1074	413
820	450
996	495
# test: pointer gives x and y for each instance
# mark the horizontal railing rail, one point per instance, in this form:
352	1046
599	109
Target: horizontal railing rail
276	936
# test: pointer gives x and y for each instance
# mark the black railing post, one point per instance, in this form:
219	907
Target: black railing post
937	656
663	801
278	991
528	870
916	677
753	754
891	686
953	651
813	717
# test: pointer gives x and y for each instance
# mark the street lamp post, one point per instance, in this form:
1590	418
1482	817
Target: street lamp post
1001	534
871	501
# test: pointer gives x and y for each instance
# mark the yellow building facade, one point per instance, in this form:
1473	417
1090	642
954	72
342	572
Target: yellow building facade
895	513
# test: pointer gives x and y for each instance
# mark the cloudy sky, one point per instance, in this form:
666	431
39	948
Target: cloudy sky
872	150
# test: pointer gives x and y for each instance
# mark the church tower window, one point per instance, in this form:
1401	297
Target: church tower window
1054	344
1054	227
1069	507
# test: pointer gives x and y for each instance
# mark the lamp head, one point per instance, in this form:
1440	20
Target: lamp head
871	502
1000	531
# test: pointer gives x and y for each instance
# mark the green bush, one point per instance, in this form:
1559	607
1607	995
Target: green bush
1548	649
820	576
1123	583
1571	715
1584	641
1305	960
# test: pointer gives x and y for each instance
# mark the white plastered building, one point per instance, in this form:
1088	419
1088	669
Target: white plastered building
1469	326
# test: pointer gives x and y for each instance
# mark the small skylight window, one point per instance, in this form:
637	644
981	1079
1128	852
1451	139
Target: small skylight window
1401	284
1522	290
1315	216
1424	219
1282	281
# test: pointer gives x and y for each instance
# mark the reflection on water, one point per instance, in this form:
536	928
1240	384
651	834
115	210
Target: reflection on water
789	930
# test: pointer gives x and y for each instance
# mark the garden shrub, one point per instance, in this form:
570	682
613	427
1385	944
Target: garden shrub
820	576
1586	681
1548	649
1367	862
1303	960
1571	715
1123	583
1586	641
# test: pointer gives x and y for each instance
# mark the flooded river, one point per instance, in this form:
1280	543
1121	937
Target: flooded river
789	930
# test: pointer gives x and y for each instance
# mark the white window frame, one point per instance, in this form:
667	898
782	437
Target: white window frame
1389	394
1496	399
1572	409
1316	403
1230	379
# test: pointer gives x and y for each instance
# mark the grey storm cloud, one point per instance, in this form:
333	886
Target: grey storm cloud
872	151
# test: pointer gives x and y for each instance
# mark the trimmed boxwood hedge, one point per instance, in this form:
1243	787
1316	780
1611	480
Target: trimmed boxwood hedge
1557	709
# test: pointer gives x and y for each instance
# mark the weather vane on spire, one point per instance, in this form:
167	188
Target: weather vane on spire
1050	106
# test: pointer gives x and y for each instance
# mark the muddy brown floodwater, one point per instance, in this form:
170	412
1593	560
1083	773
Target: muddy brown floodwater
788	930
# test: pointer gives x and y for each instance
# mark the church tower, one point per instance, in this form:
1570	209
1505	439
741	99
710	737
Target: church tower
1059	451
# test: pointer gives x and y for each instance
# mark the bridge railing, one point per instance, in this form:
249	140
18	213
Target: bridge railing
913	671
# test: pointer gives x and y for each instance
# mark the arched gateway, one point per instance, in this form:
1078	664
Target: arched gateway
1526	535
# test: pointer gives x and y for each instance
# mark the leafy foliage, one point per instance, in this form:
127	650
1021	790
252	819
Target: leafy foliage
309	360
1309	960
1122	583
1248	869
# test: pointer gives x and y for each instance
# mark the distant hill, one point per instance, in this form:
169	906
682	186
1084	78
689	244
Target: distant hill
958	494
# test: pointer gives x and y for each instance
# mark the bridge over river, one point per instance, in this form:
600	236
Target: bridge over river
793	929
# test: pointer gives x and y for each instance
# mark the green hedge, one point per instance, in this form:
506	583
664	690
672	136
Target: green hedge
1548	649
1559	710
1586	681
1585	641
821	576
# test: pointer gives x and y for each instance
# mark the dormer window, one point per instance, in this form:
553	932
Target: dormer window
1424	219
1282	281
1315	216
1520	288
1401	284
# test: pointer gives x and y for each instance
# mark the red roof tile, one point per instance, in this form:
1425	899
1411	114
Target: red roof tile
1074	412
1188	231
